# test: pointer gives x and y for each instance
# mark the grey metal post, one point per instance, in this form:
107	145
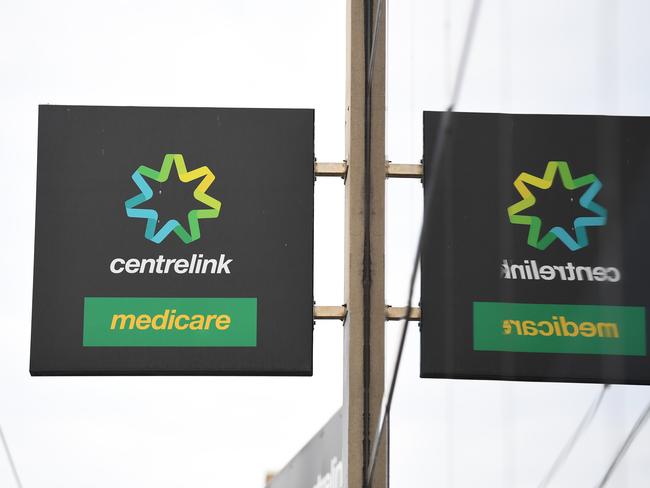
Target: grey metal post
364	248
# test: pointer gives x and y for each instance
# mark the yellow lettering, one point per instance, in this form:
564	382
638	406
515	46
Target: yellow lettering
559	326
517	325
607	329
197	325
568	324
143	321
529	328
165	321
587	329
197	322
507	328
177	323
160	321
123	318
223	322
549	328
208	319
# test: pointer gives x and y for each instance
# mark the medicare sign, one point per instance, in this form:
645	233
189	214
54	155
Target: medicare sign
173	241
535	264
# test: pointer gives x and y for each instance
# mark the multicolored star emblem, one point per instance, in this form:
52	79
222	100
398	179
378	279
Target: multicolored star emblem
173	225
581	240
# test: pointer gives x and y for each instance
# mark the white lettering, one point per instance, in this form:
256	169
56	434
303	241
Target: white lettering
196	264
223	265
530	270
114	268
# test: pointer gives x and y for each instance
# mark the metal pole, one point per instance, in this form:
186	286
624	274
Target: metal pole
364	246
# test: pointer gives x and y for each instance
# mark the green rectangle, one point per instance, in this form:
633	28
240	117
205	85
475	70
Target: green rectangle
170	322
569	329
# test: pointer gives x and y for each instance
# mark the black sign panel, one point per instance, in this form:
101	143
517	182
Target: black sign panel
319	463
173	241
535	260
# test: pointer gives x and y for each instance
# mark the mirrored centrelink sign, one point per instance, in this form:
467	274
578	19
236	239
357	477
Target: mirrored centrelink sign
535	264
173	241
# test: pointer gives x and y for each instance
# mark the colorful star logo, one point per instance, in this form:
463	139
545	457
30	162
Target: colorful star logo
581	240
173	225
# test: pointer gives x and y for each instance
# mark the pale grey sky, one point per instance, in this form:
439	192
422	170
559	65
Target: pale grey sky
530	56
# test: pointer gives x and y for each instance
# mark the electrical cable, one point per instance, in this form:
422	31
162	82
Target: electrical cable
568	447
371	64
11	460
626	445
438	151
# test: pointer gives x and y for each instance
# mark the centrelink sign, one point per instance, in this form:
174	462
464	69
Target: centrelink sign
173	241
536	258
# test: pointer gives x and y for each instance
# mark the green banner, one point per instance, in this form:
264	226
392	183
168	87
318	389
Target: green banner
577	329
170	322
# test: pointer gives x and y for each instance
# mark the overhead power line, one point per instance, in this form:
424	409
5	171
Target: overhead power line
626	445
11	460
371	63
568	447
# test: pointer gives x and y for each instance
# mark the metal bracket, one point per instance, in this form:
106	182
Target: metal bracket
398	313
329	312
331	169
395	170
339	312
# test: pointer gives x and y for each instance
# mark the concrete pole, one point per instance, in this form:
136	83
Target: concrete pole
364	247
